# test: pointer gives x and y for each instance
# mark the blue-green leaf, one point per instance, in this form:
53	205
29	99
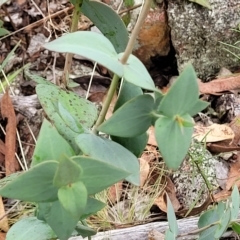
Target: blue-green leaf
30	228
90	45
132	119
110	152
108	22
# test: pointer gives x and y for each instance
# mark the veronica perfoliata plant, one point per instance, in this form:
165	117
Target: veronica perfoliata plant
71	161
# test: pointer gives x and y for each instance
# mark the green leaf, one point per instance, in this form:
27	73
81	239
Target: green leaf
73	198
68	172
136	73
130	120
223	225
36	78
206	219
46	148
35	185
172	221
198	107
90	45
98	175
236	227
127	92
204	3
235	203
82	111
169	235
137	144
85	231
108	22
175	101
58	219
30	228
173	140
3	32
110	152
93	206
69	119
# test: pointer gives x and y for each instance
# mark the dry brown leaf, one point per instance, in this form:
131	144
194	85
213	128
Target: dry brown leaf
151	136
7	111
97	97
223	146
234	174
213	133
2	152
161	201
144	171
3	222
235	126
217	86
222	196
196	210
150	154
115	192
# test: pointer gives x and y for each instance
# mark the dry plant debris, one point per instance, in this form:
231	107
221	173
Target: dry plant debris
34	27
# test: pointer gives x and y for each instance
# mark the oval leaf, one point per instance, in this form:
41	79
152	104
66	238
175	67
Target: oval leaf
35	185
108	22
46	148
130	120
175	101
110	152
60	220
173	140
223	225
90	45
81	110
73	198
67	173
136	73
93	170
30	228
137	144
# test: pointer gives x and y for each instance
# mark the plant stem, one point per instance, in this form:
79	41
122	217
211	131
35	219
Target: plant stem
127	52
107	102
130	46
69	56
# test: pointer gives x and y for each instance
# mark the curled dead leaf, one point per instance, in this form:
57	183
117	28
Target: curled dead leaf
161	201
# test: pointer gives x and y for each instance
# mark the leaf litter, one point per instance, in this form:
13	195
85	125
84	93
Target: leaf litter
163	183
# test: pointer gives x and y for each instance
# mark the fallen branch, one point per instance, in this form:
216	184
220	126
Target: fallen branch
186	226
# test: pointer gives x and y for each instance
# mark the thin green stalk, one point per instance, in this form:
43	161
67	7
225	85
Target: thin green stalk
107	102
69	56
128	51
130	46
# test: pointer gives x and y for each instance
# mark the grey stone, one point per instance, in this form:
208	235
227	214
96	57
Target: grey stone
196	33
